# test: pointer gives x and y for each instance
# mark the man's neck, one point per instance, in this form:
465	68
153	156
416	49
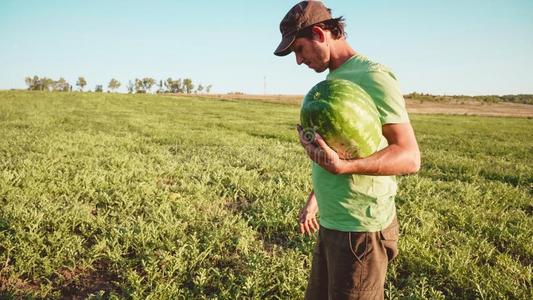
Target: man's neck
340	53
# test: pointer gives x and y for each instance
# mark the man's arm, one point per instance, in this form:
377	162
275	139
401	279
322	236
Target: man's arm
401	156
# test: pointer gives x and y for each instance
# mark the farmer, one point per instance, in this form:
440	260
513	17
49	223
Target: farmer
358	232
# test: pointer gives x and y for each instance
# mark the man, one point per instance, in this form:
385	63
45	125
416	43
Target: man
358	227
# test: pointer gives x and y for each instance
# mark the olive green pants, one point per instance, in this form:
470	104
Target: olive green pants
351	265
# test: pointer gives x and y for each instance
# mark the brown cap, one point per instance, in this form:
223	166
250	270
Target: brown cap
302	15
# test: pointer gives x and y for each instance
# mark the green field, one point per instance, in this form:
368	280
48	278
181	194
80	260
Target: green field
160	197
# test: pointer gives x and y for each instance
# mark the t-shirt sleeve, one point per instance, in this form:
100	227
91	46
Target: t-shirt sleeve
384	89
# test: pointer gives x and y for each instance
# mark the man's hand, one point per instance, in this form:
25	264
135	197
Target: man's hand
320	152
307	216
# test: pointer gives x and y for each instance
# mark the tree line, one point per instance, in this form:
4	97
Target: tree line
520	98
138	85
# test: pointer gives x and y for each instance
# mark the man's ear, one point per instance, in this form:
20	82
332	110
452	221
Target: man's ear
318	34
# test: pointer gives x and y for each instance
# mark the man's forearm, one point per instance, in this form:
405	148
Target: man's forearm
392	160
401	156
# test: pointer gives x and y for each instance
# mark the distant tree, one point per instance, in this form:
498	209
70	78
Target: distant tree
148	83
131	87
160	88
179	86
208	88
199	88
29	82
42	84
174	86
188	85
113	84
168	85
47	84
139	86
33	83
38	84
81	83
99	88
60	85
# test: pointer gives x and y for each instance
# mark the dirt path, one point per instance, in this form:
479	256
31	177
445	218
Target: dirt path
413	106
471	108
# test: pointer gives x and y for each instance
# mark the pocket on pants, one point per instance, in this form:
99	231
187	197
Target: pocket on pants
358	243
367	268
389	239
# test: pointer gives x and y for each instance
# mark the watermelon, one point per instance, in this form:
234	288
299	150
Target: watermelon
344	115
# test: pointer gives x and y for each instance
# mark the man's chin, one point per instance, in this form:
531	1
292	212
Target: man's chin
320	70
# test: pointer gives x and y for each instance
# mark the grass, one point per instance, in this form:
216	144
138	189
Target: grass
109	196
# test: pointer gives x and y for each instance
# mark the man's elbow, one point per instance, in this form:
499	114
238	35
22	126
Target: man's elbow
414	164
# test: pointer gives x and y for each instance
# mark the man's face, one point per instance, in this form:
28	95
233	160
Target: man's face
311	52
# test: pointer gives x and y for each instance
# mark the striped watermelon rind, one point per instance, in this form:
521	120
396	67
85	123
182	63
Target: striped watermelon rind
344	115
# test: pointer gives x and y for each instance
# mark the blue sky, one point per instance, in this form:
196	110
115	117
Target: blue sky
441	47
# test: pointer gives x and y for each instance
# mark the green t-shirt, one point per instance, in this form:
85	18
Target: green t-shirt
362	203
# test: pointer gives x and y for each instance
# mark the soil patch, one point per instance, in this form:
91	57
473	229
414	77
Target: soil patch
451	107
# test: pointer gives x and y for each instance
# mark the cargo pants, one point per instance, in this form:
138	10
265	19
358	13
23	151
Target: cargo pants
351	265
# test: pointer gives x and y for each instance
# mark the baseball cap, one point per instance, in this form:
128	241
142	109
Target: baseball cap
300	16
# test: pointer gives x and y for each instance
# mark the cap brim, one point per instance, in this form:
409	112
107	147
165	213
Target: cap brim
284	47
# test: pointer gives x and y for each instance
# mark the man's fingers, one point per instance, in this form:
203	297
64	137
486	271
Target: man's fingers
315	223
306	227
320	141
309	227
312	225
308	223
300	132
